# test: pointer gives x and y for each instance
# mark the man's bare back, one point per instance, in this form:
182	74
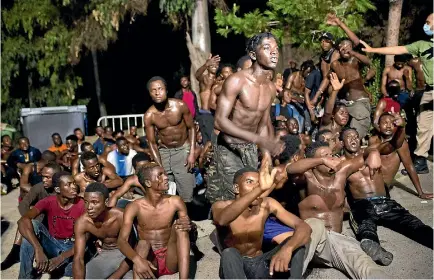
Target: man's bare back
295	84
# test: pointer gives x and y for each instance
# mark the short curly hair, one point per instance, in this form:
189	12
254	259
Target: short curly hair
312	148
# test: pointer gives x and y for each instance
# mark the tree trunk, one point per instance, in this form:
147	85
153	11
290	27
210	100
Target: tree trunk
29	87
395	8
199	46
101	105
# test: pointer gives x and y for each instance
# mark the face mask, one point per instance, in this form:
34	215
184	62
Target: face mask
427	30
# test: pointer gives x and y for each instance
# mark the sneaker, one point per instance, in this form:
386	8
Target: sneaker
376	252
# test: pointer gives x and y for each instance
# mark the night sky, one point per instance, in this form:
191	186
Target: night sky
144	49
149	48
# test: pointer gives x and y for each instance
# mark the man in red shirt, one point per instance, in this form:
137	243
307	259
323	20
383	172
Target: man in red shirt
51	248
188	96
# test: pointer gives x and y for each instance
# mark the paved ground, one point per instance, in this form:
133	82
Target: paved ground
411	260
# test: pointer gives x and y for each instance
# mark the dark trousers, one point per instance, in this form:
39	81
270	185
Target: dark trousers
235	266
206	125
368	213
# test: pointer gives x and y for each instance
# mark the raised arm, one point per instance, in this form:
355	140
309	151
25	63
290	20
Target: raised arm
332	19
150	137
328	110
362	58
210	61
303	165
395	50
189	123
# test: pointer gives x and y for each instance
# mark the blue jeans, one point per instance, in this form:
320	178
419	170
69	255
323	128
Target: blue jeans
52	248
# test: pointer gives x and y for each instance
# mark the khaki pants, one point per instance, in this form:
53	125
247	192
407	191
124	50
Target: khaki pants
341	252
424	125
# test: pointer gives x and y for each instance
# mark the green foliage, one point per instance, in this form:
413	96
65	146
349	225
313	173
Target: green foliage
375	85
43	39
35	43
295	21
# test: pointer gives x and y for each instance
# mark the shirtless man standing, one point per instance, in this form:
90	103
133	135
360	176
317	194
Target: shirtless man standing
163	248
206	81
389	126
323	210
225	71
356	97
172	120
95	172
371	205
401	72
243	117
100	222
245	217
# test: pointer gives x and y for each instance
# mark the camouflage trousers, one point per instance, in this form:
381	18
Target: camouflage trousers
228	159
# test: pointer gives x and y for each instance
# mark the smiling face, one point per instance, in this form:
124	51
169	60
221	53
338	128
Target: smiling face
351	140
267	53
94	203
293	126
24	144
387	127
158	92
247	183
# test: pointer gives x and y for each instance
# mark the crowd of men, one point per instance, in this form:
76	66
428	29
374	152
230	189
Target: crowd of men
274	160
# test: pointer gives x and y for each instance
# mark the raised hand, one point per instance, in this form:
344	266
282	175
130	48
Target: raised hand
366	48
212	60
266	178
332	19
334	80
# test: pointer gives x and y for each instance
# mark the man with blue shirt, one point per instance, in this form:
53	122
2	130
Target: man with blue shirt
122	158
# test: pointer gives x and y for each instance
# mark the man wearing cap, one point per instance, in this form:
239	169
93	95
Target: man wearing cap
424	50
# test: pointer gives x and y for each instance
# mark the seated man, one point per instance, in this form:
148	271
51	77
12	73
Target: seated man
163	247
77	166
293	128
391	126
58	146
121	158
31	174
51	249
99	222
24	154
36	193
95	172
245	218
323	208
68	156
131	182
